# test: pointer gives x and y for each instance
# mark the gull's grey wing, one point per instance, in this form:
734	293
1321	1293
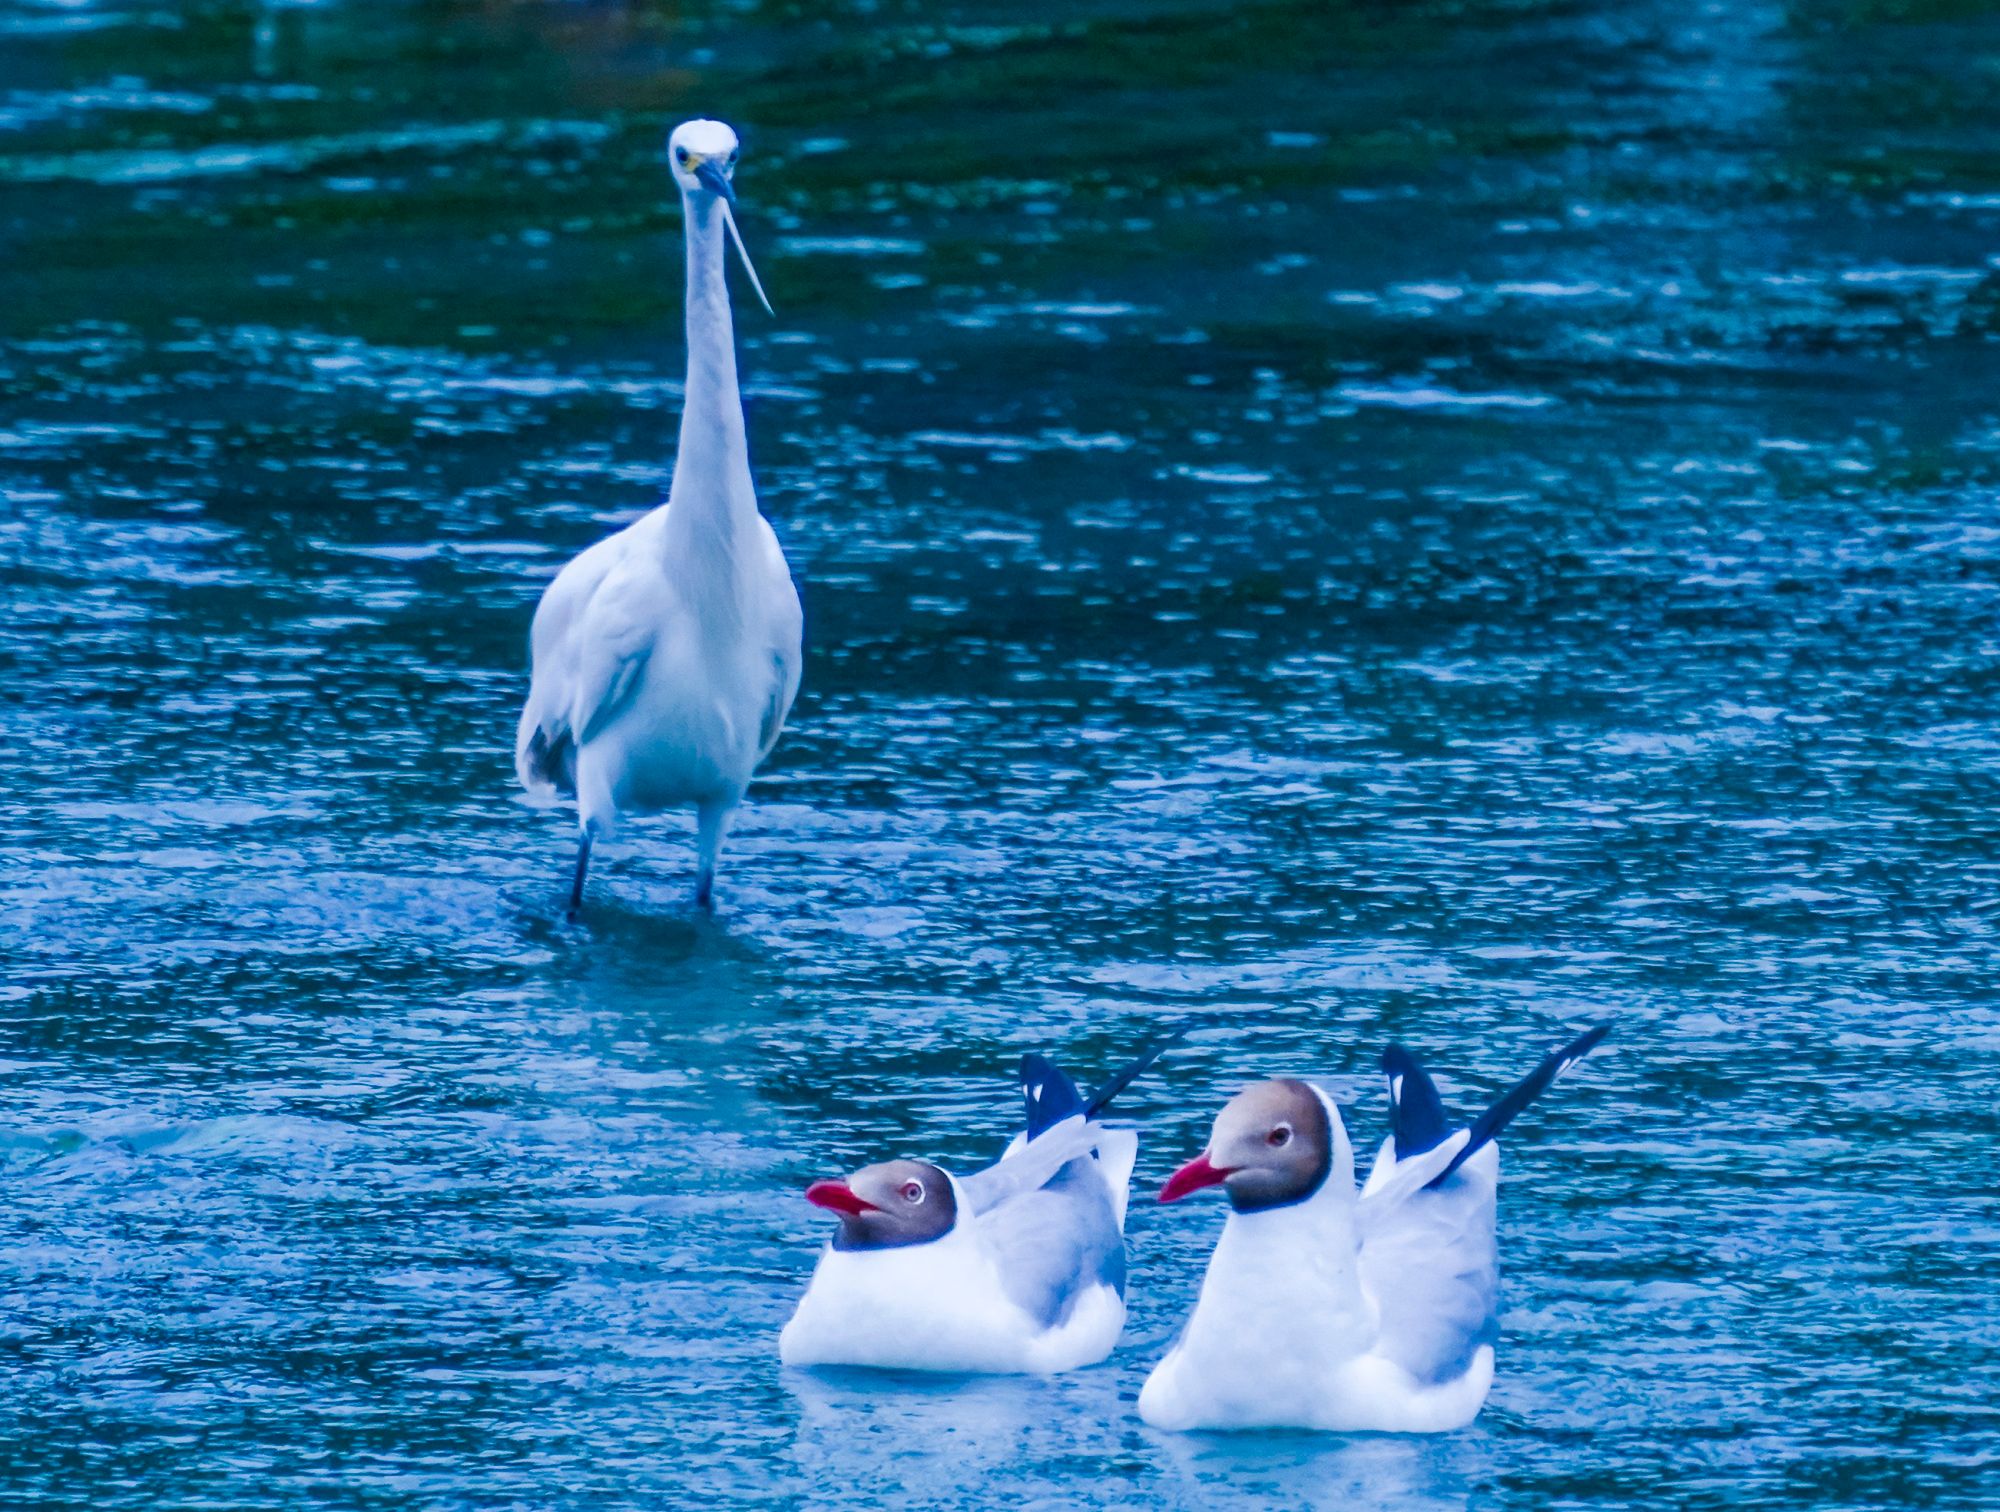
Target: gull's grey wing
1046	1216
1432	1265
1392	1187
1054	1242
1029	1166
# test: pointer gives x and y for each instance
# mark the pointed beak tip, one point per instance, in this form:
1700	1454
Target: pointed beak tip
710	178
1192	1177
837	1197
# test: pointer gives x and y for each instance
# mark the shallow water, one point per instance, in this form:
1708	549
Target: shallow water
1442	522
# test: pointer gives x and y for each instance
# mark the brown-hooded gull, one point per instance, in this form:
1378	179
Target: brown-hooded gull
1328	1308
1018	1267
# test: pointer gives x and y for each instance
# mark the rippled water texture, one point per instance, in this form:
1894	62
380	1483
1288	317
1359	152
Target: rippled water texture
1434	520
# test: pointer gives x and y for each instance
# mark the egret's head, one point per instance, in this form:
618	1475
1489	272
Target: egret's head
702	155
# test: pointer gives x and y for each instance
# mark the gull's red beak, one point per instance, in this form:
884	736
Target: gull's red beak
1192	1177
838	1197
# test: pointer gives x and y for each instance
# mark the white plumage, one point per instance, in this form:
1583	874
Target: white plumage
1019	1267
1328	1308
1312	1314
1021	1286
667	656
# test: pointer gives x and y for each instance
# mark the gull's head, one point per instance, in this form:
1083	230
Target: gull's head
889	1205
1272	1144
703	156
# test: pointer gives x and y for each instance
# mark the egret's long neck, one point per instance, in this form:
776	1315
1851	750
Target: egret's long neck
711	494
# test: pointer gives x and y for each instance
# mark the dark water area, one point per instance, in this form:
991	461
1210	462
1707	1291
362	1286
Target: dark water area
1439	521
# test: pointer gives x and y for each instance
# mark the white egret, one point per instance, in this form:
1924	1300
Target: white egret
666	657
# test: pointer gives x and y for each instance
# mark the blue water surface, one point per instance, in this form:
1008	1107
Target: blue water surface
1443	521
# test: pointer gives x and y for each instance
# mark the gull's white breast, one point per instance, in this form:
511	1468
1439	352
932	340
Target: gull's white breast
938	1306
1284	1335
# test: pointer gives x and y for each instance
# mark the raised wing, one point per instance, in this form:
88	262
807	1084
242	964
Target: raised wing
1048	1096
1030	1166
1390	1187
1488	1125
1431	1265
1128	1073
1051	1244
1417	1120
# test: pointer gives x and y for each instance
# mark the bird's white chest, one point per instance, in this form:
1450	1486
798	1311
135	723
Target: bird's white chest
1280	1318
705	693
939	1306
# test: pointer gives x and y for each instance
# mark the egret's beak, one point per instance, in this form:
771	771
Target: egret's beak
729	220
710	178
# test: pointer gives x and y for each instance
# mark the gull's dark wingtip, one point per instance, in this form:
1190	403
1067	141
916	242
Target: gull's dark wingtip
1128	1073
1486	1128
1417	1120
1048	1095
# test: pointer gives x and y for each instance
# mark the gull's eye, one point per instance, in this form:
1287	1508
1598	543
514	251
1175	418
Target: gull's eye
1279	1137
913	1191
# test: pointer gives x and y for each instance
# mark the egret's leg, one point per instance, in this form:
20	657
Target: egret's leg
582	868
711	820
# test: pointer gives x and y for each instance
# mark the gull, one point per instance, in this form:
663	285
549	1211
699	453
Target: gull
1016	1268
666	657
1329	1309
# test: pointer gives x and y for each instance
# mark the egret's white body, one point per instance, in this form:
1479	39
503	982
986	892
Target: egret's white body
667	656
1338	1314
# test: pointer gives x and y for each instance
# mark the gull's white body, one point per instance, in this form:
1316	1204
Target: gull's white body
1344	1312
666	657
951	1304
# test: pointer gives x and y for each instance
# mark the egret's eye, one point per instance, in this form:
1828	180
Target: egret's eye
913	1191
681	156
733	155
1279	1137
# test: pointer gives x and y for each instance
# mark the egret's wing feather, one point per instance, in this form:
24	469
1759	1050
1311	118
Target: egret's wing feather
615	638
776	707
544	744
786	629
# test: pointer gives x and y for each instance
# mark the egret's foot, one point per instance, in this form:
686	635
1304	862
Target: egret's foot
704	890
576	883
